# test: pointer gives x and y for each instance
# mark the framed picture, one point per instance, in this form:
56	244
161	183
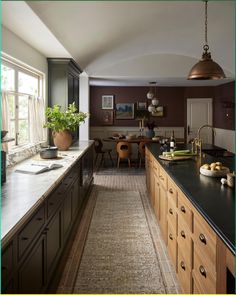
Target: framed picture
107	117
141	105
107	102
159	113
124	111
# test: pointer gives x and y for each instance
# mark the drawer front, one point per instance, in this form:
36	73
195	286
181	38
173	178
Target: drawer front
204	240
203	275
7	264
185	244
172	190
184	210
171	214
163	178
172	244
155	168
184	275
54	200
30	230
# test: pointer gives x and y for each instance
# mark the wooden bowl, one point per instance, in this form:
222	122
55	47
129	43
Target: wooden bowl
215	173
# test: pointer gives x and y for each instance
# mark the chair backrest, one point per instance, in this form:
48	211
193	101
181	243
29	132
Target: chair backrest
123	149
141	148
98	145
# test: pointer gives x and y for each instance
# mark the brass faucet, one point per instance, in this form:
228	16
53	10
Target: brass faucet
209	126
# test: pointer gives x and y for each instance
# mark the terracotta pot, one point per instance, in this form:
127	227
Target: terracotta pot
62	140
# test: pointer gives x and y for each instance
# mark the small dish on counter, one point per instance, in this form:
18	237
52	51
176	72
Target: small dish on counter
49	153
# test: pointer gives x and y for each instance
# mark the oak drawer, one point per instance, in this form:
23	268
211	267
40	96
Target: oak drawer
172	190
171	214
172	244
184	210
30	230
204	240
155	168
203	275
185	244
184	274
163	178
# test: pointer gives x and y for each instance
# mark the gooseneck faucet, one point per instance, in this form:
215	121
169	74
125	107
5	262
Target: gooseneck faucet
209	126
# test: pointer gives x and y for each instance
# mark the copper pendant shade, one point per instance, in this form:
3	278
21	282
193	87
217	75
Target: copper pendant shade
206	68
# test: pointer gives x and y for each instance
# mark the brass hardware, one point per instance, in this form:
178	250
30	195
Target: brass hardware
182	233
202	271
171	211
202	238
182	208
170	236
182	264
170	191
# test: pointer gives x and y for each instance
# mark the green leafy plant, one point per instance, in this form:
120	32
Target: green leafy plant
64	120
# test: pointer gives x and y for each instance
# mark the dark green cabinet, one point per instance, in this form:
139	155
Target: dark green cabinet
30	259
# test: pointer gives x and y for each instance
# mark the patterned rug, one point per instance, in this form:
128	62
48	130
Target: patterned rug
108	169
119	256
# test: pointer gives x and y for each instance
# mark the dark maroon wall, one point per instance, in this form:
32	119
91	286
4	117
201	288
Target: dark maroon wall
224	106
174	100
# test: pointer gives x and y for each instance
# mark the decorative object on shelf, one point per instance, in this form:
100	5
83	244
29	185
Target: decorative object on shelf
206	68
150	133
107	117
124	111
62	123
107	102
141	105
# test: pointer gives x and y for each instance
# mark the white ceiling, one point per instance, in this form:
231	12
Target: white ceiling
128	42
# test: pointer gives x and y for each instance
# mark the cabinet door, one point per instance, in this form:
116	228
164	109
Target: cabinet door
76	198
54	230
67	213
157	197
163	212
70	88
32	273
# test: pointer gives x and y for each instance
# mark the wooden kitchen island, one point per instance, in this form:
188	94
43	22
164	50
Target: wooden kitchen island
39	213
196	218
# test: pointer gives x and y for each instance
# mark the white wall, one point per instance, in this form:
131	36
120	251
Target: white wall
15	47
225	139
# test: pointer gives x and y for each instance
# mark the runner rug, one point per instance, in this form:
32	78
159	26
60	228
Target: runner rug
119	256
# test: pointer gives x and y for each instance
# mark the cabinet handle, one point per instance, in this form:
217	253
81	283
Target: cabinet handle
182	233
170	236
182	264
202	271
171	211
39	219
24	238
182	208
51	203
202	239
170	191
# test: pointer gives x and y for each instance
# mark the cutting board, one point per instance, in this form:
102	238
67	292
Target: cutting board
180	158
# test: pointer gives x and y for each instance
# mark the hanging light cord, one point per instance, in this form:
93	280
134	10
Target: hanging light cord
206	42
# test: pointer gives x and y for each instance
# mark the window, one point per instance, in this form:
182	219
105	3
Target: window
19	84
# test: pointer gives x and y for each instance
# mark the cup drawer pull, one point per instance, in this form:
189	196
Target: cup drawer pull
170	236
202	239
202	271
24	239
182	233
170	191
182	208
182	265
171	211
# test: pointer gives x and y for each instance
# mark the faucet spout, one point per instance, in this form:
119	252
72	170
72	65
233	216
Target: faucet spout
209	126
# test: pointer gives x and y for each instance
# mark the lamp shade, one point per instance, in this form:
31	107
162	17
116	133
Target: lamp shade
150	95
206	69
151	108
155	101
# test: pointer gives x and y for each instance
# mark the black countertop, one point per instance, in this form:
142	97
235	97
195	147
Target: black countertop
214	201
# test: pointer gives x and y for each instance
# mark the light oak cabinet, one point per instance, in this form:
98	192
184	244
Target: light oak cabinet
199	256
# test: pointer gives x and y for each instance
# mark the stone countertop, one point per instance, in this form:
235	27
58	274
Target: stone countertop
23	193
214	201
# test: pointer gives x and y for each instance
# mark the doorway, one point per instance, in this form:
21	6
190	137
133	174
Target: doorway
199	112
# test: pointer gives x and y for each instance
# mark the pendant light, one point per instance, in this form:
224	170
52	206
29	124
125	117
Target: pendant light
206	68
152	108
150	93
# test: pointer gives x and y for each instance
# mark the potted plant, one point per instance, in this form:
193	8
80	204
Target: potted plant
62	123
150	133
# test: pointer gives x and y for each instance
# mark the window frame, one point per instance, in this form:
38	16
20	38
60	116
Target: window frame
19	67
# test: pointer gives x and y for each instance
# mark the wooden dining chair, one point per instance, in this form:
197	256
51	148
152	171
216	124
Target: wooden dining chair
99	150
141	152
124	151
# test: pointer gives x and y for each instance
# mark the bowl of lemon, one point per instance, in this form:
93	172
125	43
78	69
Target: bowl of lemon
215	169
